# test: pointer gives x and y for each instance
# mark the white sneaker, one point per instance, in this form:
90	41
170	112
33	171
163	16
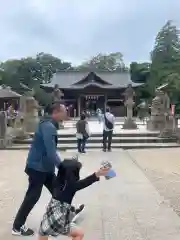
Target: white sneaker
78	212
24	231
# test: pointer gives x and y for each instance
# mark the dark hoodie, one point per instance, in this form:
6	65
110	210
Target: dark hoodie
67	182
42	155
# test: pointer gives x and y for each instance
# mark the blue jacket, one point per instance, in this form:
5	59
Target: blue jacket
42	155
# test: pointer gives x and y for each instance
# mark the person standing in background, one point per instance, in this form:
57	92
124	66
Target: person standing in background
99	115
108	127
82	134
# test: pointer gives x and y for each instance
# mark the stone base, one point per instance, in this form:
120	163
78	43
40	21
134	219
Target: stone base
20	134
5	142
168	125
31	124
170	129
129	124
155	125
167	133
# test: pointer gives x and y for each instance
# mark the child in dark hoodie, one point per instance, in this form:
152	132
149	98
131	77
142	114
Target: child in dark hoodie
57	220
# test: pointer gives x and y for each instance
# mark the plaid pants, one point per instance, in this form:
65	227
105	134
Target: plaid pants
56	219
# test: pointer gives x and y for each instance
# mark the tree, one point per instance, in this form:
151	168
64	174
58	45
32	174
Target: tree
140	72
25	70
111	62
42	96
173	87
165	55
31	71
50	65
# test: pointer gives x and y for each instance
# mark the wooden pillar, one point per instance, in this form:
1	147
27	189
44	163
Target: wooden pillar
79	106
105	102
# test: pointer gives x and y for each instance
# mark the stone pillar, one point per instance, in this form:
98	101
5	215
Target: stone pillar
129	122
31	118
5	137
129	104
19	126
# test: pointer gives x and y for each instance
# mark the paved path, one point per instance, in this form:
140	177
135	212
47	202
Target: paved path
127	207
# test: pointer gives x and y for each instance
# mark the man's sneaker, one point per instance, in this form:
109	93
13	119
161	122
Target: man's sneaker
24	231
77	212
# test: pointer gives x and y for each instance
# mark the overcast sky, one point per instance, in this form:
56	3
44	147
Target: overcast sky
75	30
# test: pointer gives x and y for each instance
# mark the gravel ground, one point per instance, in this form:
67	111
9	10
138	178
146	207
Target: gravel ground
126	207
162	167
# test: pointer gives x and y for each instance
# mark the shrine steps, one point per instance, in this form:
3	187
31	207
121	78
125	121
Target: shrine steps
120	140
66	147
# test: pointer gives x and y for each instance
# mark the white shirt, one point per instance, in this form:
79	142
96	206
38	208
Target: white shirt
110	117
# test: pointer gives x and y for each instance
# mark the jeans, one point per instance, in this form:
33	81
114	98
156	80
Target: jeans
81	144
36	182
107	139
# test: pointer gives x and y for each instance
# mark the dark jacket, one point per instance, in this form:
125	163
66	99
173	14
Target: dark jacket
81	127
42	155
70	190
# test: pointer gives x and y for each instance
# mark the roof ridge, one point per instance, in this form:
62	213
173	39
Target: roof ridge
89	71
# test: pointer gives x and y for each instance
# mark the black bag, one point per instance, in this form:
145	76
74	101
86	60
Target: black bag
108	124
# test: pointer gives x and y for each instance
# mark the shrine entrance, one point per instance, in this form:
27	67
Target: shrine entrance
90	104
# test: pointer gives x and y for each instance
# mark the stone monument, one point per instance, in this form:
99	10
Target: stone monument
5	136
171	124
157	119
161	118
129	103
20	127
57	94
31	117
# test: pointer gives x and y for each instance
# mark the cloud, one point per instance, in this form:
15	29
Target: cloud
74	30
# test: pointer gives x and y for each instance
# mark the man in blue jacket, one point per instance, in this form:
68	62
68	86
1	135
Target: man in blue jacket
41	162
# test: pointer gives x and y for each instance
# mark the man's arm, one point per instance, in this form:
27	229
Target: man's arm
49	133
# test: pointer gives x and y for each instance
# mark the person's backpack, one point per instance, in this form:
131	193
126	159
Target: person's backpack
108	124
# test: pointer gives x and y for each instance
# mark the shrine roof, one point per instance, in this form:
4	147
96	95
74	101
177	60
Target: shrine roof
82	79
8	93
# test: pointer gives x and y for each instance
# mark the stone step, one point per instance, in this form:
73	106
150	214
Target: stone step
135	139
125	133
73	123
68	146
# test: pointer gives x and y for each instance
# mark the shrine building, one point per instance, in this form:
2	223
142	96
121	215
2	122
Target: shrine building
88	91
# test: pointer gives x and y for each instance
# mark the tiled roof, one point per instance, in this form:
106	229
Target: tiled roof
8	93
70	79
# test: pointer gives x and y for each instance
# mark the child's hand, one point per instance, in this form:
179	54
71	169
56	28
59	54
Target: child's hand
102	171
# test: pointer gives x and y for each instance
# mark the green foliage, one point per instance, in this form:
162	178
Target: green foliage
31	72
139	72
164	68
42	97
50	65
173	87
165	56
110	62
